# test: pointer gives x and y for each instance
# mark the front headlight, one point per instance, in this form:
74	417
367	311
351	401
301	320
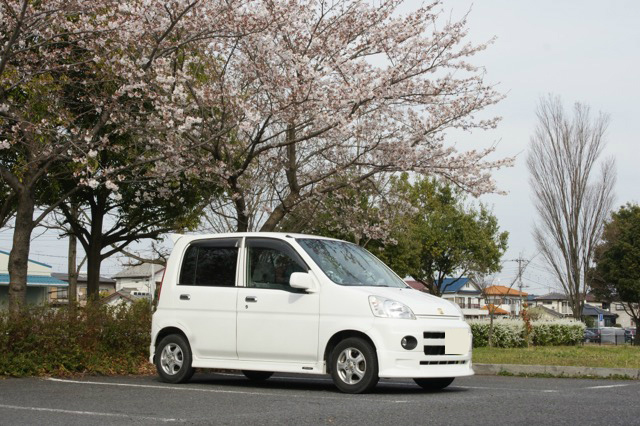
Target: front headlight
387	308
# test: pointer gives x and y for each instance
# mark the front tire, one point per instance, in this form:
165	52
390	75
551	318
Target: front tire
173	359
354	366
434	384
257	376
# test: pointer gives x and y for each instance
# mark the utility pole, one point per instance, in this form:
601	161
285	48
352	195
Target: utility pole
522	266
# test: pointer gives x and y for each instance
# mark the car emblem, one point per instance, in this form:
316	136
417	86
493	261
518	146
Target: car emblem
440	311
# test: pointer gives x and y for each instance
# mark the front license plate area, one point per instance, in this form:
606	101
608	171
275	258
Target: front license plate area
456	342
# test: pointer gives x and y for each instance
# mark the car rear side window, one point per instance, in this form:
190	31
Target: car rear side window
210	263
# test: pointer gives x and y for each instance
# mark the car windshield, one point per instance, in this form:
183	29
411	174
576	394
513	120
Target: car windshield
348	264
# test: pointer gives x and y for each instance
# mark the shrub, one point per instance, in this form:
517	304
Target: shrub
511	333
93	339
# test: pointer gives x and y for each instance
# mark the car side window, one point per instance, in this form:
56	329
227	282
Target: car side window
270	264
210	263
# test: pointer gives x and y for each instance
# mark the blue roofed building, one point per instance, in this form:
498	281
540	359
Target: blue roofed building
466	293
463	291
39	281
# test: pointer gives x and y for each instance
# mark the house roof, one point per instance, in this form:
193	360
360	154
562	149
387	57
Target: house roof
547	311
125	293
82	278
495	310
450	285
142	270
30	260
594	311
36	281
500	290
455	285
552	296
417	285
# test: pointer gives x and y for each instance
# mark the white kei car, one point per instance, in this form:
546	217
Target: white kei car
270	302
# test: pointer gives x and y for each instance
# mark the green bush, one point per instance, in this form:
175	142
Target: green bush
94	339
511	333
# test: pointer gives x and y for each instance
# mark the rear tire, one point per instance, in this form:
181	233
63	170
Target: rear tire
257	376
354	366
173	359
434	384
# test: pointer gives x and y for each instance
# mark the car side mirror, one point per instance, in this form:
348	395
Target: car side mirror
302	280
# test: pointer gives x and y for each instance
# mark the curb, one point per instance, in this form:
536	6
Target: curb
555	370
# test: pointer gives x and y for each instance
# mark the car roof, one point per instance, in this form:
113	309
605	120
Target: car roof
278	235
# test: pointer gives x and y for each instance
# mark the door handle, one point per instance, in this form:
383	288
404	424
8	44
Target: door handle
251	299
185	297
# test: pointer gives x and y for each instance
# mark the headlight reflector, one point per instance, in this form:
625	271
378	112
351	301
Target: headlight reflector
387	308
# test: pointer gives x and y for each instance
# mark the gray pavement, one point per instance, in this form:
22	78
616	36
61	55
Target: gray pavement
229	399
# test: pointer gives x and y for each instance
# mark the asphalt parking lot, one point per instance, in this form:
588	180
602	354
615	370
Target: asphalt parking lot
230	399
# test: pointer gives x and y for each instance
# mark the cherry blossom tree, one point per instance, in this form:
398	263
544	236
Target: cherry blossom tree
331	93
76	74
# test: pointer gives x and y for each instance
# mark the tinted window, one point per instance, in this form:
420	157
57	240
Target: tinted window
270	264
210	263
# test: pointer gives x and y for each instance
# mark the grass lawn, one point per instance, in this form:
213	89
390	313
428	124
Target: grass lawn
623	356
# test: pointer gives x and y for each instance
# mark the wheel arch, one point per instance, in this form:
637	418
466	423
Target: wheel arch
340	336
167	331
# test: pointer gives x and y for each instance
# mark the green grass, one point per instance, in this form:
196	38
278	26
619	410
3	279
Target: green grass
622	356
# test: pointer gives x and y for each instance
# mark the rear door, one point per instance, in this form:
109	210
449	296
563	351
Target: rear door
208	294
275	321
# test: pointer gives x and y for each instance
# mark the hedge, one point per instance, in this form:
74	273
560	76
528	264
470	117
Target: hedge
511	333
95	339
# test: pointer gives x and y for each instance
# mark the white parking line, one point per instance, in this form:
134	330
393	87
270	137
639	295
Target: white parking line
90	413
192	389
609	386
507	389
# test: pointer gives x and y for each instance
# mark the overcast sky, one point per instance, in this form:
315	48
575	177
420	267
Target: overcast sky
585	51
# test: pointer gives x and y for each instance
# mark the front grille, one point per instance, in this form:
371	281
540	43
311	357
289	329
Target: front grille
433	335
442	362
434	350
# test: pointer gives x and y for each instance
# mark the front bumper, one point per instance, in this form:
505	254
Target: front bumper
433	335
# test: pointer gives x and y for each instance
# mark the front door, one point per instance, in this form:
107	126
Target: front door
275	321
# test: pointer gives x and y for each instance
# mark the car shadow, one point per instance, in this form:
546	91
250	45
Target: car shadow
310	383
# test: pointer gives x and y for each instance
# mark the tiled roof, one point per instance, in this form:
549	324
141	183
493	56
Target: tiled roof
552	296
500	290
142	270
449	285
81	278
495	310
36	281
416	285
453	285
589	310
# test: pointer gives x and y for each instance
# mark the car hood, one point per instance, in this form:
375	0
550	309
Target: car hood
420	303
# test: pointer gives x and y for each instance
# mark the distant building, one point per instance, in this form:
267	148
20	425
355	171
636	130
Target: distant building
505	298
466	293
39	280
554	301
462	291
58	296
139	277
125	296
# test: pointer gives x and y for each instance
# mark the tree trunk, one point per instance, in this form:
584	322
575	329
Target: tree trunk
636	340
94	250
94	261
73	251
19	256
490	332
